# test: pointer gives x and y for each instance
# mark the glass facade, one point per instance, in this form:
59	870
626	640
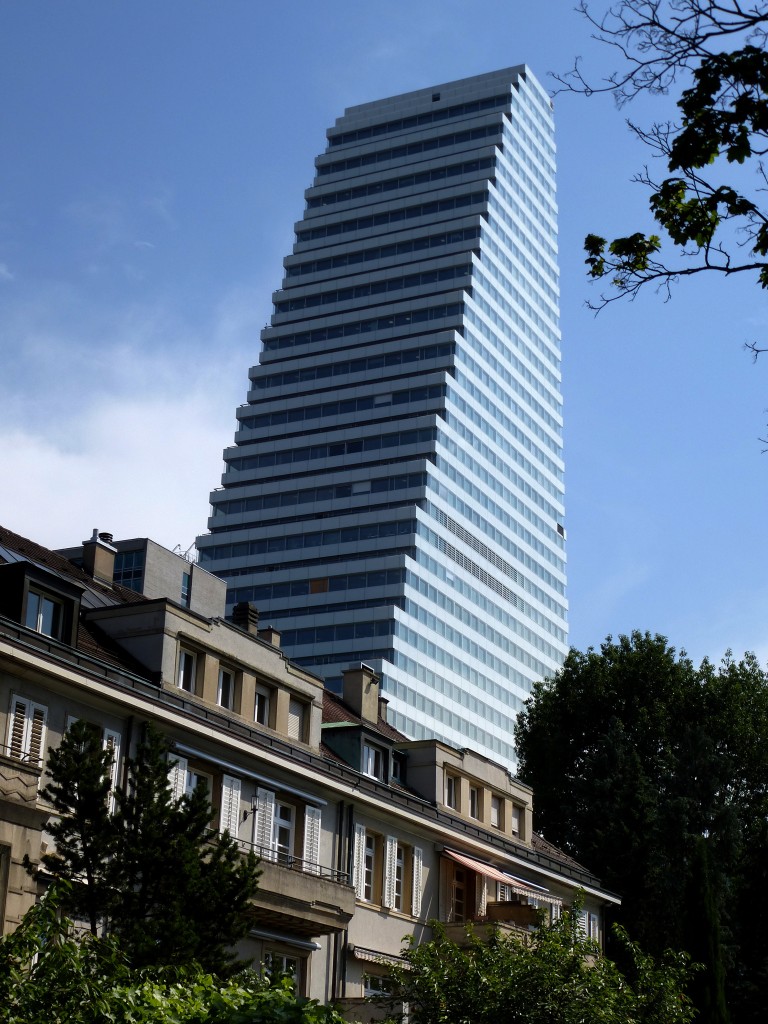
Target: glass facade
394	495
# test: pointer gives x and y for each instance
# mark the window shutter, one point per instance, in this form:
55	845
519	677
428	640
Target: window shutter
263	823
416	882
26	730
229	820
177	776
358	868
17	728
390	867
312	819
295	719
111	742
481	895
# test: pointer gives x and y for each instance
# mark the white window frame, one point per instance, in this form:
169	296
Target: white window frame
517	820
496	811
57	624
284	821
474	802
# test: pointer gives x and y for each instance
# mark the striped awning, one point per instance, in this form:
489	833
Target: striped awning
517	885
373	955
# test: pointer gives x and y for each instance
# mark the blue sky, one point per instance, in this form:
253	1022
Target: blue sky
154	155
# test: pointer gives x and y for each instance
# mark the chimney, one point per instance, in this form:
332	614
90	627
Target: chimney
270	635
99	557
245	615
361	692
383	705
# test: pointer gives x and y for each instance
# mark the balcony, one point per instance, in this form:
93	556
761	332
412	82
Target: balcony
505	918
300	897
19	779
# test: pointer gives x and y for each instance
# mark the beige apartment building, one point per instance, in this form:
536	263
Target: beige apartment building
364	836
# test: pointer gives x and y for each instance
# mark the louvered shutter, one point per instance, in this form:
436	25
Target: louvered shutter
312	818
416	882
111	742
229	820
358	866
390	869
481	895
177	776
26	730
296	719
263	824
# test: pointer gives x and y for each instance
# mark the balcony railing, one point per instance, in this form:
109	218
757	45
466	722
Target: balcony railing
307	867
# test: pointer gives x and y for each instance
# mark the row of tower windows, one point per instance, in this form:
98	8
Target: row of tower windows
329	492
411	149
375	188
543	282
546	324
506	332
360	403
349	366
359	291
387	217
432	117
496	207
315	538
546	241
381	252
543	209
336	449
379	323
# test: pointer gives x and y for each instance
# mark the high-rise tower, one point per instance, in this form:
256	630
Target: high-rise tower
395	492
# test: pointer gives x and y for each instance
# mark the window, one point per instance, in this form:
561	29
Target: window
373	761
496	806
187	671
376	985
451	794
296	719
186	588
44	614
196	779
263	709
285	965
229	816
515	820
274	831
26	730
371	868
458	890
474	802
283	834
225	695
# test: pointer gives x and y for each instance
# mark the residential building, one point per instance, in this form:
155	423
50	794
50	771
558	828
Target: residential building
364	836
394	495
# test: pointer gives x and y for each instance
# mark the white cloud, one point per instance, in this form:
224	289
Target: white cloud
117	419
5	273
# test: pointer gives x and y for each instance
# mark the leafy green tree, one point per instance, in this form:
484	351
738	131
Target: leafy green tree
49	974
711	205
550	976
635	756
153	873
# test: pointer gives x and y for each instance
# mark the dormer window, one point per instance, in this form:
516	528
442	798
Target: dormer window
373	761
44	614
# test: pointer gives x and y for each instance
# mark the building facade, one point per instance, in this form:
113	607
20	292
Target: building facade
394	495
364	836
